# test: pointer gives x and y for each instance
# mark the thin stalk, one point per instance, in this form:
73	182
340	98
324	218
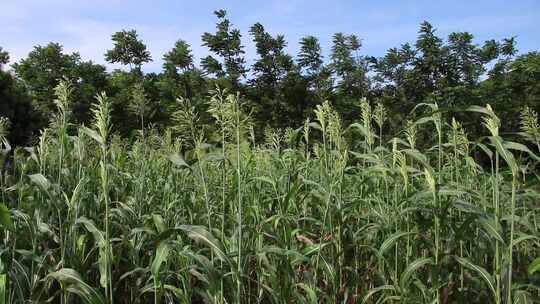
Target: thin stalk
239	196
510	245
497	249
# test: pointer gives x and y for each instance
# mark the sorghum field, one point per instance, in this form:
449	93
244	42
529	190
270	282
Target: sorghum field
326	213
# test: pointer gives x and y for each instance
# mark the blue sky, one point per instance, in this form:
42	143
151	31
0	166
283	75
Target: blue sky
86	25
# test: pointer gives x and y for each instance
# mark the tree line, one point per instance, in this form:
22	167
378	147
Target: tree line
279	89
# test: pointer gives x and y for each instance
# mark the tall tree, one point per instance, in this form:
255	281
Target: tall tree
225	43
462	65
46	65
269	70
350	70
311	61
449	72
310	55
181	78
349	67
4	57
273	63
16	106
178	59
428	63
128	50
463	59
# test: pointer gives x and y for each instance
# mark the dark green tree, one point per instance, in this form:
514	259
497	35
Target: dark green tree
16	106
350	70
310	55
349	67
180	79
429	61
45	66
269	70
128	50
513	88
311	61
273	63
179	59
226	44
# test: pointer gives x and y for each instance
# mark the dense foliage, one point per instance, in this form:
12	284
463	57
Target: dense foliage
409	178
280	89
326	213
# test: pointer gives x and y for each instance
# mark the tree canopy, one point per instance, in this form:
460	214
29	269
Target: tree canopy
279	89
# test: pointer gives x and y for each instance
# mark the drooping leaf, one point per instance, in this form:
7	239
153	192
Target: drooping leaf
497	142
93	134
104	248
200	233
510	145
99	236
41	181
178	160
479	270
523	238
162	252
375	290
492	228
71	279
412	268
391	240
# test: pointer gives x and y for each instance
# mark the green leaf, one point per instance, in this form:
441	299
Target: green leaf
486	150
3	286
375	290
41	181
200	233
178	292
366	133
159	222
75	284
480	270
391	240
76	193
497	142
523	238
5	217
93	134
411	269
423	120
178	160
419	157
311	294
99	236
492	228
103	263
162	252
510	145
534	267
266	180
479	109
315	125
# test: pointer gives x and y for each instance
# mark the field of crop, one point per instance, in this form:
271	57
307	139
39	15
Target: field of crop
325	213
